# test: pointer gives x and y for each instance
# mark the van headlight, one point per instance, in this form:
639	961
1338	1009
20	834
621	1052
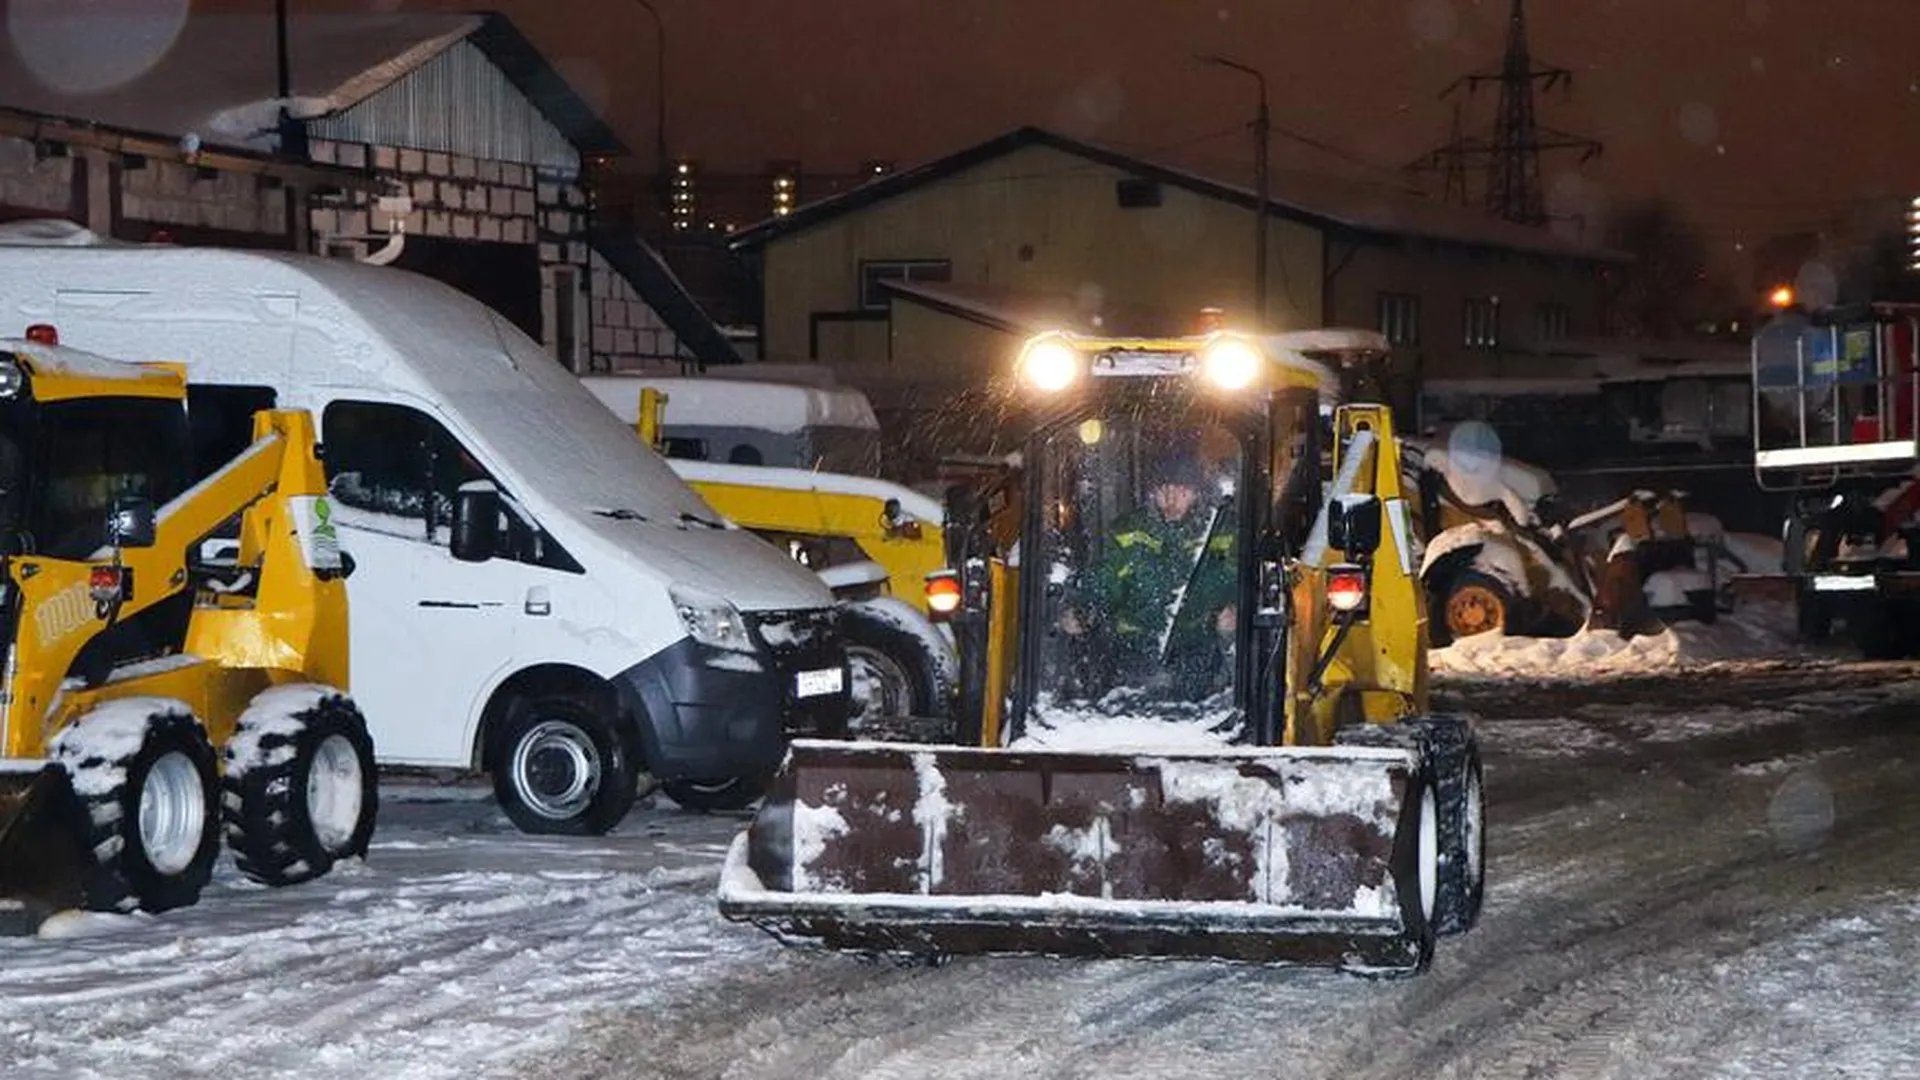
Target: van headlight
712	620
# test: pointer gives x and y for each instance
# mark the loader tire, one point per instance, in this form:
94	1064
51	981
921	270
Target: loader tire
897	674
561	767
301	792
709	796
1477	603
1453	754
152	812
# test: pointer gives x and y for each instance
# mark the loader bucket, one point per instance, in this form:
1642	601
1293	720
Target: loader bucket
1265	856
42	858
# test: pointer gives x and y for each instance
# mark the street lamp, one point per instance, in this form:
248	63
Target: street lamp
662	180
1261	125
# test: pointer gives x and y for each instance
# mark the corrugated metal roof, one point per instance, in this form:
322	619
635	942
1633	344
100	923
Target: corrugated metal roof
212	73
458	102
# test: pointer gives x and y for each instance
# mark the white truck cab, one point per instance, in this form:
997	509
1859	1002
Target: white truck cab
535	593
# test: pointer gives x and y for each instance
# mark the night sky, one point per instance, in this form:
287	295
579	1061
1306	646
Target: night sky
1759	116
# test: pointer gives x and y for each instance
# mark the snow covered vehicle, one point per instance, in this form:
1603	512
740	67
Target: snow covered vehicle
152	697
539	596
1234	763
1837	400
1501	553
795	463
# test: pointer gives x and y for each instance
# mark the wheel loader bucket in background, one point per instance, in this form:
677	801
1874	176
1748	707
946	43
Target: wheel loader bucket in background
41	858
1269	856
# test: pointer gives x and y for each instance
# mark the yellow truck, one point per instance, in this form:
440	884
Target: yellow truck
155	698
796	463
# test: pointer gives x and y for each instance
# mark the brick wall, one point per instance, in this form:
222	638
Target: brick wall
170	193
30	183
627	334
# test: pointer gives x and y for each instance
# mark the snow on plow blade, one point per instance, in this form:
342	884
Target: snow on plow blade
1267	856
41	857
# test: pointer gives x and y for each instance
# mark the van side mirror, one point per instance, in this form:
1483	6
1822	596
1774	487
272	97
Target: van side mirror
476	521
1353	525
130	523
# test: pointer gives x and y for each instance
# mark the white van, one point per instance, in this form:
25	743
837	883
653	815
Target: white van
534	593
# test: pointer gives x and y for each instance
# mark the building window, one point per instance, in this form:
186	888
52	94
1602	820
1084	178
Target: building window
1552	322
684	204
784	178
1400	318
873	297
1480	321
1134	193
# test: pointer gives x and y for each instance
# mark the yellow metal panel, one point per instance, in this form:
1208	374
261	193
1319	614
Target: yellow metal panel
1003	621
63	386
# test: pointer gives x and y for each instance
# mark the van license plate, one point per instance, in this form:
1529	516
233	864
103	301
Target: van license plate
815	683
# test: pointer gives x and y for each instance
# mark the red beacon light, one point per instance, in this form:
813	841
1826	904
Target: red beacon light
43	334
943	593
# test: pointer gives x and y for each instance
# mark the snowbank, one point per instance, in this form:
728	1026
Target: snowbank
1755	632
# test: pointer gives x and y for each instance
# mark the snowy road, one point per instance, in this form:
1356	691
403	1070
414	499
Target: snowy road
1702	875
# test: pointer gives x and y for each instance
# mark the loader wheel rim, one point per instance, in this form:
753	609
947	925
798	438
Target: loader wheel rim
173	813
556	770
1475	609
334	793
1429	869
880	685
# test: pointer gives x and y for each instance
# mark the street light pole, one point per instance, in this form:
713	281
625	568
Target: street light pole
1262	124
663	168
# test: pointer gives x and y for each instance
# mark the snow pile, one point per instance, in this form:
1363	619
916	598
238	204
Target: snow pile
1060	729
1755	632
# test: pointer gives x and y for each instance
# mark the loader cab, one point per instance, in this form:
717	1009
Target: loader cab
1163	496
82	437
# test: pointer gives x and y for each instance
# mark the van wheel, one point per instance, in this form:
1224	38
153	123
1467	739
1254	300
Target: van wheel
559	766
707	796
153	814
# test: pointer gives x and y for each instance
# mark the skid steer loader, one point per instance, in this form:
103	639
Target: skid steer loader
1234	764
130	659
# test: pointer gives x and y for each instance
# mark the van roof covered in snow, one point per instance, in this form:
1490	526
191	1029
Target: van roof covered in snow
765	405
282	319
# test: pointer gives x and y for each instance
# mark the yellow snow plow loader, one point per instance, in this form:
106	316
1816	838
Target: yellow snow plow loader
1193	693
131	657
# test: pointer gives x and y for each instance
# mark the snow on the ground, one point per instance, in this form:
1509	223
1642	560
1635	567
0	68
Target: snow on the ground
460	948
1755	631
1837	999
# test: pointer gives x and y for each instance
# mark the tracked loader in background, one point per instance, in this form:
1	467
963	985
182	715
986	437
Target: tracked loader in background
152	698
1240	769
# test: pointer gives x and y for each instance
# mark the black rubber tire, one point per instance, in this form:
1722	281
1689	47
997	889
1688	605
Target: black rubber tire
563	720
1703	606
1812	617
269	825
709	796
929	690
1512	621
122	876
1453	754
1884	630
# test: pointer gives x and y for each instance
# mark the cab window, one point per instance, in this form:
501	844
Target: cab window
96	451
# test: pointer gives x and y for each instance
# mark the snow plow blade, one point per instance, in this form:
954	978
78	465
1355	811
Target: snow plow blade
42	862
1264	856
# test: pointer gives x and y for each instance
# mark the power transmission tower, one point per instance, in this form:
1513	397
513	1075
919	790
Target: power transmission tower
1512	155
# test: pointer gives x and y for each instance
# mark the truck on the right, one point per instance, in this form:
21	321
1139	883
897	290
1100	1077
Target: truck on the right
1836	398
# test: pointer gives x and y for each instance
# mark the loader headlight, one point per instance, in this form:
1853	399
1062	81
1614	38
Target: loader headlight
712	620
12	379
1231	364
1049	365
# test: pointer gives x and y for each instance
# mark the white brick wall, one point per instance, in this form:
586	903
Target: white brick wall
627	333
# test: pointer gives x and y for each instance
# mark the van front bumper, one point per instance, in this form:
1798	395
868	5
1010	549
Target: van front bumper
707	714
